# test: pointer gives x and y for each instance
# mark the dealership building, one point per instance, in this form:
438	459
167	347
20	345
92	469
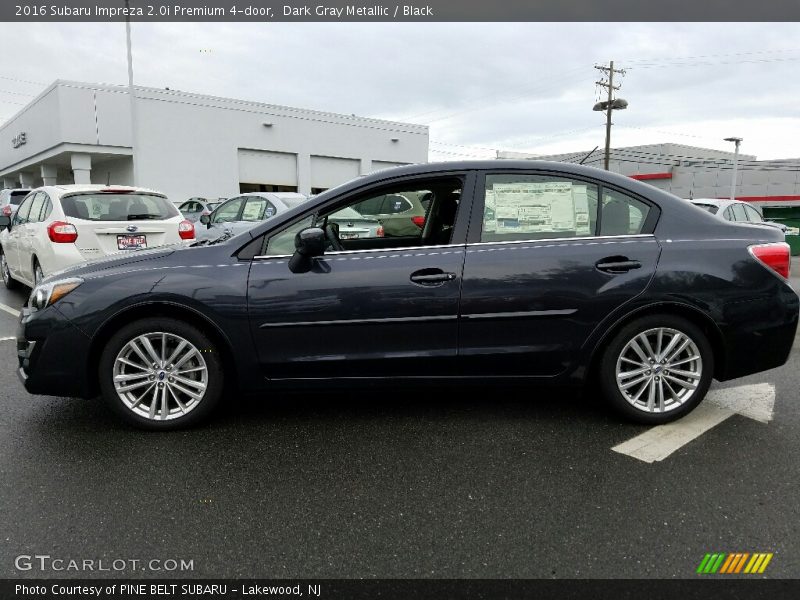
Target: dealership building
693	172
193	145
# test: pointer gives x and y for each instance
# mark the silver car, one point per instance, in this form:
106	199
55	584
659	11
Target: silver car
194	208
736	211
242	212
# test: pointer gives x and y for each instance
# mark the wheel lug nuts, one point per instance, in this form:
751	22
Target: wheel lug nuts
657	378
647	372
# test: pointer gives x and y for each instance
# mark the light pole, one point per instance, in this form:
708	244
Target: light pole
737	141
131	92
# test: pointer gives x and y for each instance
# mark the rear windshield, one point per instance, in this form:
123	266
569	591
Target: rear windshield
292	202
118	207
709	207
17	197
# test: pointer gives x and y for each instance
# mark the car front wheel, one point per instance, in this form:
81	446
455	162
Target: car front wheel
161	374
657	369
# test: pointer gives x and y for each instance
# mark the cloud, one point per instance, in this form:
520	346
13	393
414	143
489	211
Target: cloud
480	86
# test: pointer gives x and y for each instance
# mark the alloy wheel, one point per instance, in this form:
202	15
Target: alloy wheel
38	275
659	370
160	376
4	268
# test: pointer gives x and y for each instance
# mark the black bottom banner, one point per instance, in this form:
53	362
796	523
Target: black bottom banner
405	589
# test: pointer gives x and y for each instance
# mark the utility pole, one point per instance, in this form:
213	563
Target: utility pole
611	104
737	141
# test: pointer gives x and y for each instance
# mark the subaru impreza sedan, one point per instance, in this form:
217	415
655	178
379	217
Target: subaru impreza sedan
523	271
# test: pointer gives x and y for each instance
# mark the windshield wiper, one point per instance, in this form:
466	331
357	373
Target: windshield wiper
224	237
142	217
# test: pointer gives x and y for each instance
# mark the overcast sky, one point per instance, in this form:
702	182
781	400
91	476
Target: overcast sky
520	86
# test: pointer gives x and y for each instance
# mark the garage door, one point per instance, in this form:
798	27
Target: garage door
271	168
328	172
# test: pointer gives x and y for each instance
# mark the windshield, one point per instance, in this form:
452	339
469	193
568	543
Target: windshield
17	197
118	207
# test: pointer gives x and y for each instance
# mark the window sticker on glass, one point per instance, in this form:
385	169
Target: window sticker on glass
528	207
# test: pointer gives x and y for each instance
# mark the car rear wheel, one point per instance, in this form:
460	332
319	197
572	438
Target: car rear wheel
9	281
657	369
161	374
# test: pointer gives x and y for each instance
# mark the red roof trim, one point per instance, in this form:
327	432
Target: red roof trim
646	176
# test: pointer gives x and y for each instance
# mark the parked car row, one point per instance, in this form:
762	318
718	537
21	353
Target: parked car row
494	270
56	227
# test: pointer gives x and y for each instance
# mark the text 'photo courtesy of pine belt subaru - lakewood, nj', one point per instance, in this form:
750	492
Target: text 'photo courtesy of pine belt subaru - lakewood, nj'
524	271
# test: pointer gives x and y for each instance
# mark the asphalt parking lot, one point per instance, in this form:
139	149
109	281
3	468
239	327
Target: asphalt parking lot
395	483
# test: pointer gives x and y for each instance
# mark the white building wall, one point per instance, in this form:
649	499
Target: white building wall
193	145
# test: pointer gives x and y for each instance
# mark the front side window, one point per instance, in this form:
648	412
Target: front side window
283	242
349	226
257	209
21	216
529	207
228	212
118	207
36	207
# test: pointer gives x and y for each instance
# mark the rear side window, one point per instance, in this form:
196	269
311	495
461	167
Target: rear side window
708	207
738	212
622	215
530	207
752	214
118	207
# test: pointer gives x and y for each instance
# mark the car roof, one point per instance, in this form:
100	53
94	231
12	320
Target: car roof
79	188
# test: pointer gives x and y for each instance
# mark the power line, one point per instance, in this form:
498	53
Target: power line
22	80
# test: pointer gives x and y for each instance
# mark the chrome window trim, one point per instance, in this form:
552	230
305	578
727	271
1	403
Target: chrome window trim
341	252
566	239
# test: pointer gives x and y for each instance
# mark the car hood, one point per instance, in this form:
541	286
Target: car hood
113	261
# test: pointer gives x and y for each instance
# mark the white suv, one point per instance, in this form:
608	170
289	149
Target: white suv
59	226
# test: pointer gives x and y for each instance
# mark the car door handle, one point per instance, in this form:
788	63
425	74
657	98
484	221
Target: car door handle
431	277
617	264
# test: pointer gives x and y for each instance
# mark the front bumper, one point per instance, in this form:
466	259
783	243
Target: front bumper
52	354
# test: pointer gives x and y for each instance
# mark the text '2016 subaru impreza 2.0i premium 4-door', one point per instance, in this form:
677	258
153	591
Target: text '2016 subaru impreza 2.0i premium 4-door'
545	271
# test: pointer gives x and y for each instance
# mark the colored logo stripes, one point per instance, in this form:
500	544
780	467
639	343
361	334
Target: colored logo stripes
735	562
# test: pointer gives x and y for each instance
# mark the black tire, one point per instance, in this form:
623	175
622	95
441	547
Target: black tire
38	273
8	281
208	351
611	356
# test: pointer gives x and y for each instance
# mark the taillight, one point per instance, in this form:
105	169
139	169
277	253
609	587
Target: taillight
186	230
776	256
418	221
380	232
61	232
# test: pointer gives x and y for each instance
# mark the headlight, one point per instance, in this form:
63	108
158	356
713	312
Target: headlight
47	293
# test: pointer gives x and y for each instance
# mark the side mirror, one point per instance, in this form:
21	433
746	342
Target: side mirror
308	243
205	219
5	221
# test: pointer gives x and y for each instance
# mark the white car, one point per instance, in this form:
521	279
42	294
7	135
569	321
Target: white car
59	226
736	211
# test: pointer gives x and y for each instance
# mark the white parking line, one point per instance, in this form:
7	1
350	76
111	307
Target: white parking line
8	309
754	401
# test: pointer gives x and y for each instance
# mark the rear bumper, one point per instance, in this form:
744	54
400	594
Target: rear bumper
52	354
762	336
